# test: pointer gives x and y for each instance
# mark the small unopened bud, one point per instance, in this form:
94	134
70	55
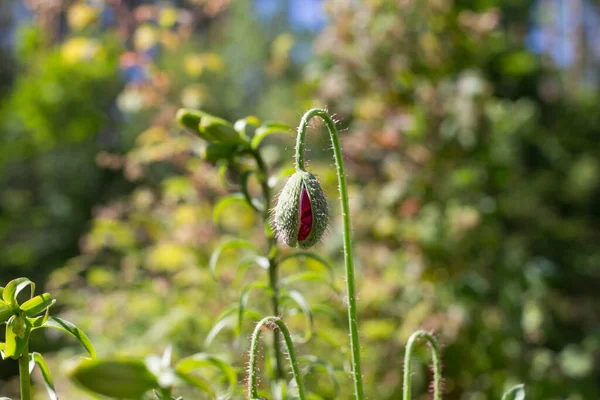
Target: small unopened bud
190	119
219	130
214	152
301	214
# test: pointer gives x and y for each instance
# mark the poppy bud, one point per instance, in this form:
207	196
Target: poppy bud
301	215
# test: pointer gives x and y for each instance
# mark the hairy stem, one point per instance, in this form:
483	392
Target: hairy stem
272	253
437	367
24	374
350	287
252	368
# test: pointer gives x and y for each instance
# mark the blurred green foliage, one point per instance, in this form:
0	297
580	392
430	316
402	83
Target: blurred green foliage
473	166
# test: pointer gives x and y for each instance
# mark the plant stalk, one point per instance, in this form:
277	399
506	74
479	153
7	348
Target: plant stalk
437	367
24	374
348	259
272	253
252	368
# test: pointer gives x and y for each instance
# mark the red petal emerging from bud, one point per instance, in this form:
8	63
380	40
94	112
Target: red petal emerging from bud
306	216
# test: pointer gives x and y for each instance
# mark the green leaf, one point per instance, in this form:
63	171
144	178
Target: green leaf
14	287
36	358
229	245
246	126
321	364
302	303
66	326
197	382
37	304
38	322
243	301
189	364
254	203
123	379
5	311
515	393
268	128
225	319
18	329
308	276
310	256
226	202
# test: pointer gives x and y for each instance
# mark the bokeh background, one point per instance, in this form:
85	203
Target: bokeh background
471	131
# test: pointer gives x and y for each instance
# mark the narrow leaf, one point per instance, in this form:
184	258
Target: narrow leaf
189	364
302	303
243	301
256	204
36	358
515	393
66	326
231	244
14	287
37	304
268	128
38	322
226	202
123	379
197	382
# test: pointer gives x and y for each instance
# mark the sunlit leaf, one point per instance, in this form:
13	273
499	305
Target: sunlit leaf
189	364
304	307
37	304
325	366
5	311
18	329
14	287
224	203
269	128
232	244
243	301
254	203
123	379
38	322
246	126
198	382
308	276
36	358
310	256
515	393
66	326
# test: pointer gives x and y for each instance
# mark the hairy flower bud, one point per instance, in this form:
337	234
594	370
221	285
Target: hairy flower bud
301	215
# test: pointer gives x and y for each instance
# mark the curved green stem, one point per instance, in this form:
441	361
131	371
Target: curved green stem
272	254
24	374
252	375
437	367
350	287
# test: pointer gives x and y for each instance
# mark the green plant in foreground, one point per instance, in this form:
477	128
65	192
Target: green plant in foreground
21	320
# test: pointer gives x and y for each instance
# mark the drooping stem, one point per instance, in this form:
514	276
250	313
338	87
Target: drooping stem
349	265
252	367
24	374
272	253
437	366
